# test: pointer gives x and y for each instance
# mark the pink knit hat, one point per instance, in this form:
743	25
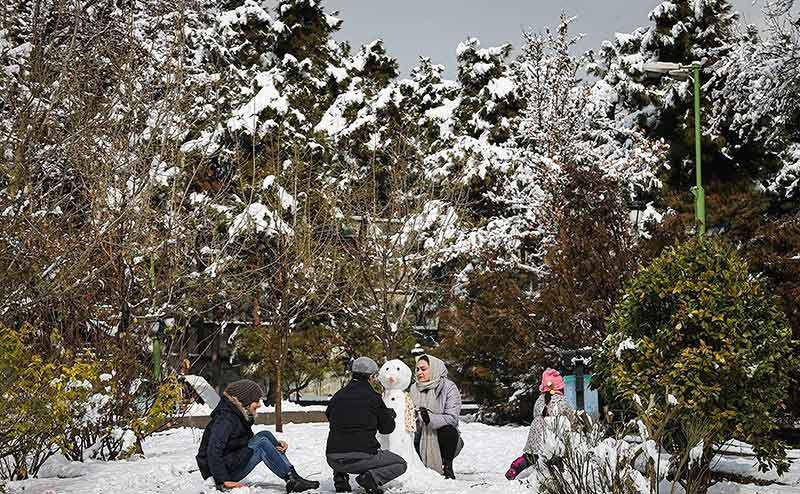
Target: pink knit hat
552	382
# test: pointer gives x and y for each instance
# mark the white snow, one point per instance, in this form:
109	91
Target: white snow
240	14
169	466
698	8
334	121
696	453
268	97
196	198
57	466
332	21
198	409
663	9
338	73
626	344
288	202
208	142
501	87
261	219
161	173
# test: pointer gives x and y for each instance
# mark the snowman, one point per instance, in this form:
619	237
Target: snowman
395	377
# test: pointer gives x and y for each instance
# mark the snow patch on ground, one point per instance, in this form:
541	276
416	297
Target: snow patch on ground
198	409
169	466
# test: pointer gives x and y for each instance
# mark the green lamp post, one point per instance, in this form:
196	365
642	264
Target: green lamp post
156	331
692	72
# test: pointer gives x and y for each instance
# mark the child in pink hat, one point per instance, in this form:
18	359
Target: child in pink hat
552	382
551	403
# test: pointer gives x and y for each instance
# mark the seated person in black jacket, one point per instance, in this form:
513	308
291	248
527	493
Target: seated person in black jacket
229	450
356	413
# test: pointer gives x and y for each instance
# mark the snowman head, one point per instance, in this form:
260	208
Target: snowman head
395	374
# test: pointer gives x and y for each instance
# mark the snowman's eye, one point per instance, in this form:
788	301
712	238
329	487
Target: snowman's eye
398	368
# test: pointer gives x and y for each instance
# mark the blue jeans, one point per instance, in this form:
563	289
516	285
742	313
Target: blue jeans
263	446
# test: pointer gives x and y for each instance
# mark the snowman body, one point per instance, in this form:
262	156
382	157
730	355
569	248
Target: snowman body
395	376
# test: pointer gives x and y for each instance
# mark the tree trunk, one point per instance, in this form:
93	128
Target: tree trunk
278	395
216	362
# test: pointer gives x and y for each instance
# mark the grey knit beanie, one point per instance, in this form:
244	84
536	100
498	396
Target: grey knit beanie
245	390
364	365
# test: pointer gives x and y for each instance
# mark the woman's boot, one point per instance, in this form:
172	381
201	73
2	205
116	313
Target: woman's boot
296	483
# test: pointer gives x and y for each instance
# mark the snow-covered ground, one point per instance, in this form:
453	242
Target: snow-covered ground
286	406
169	467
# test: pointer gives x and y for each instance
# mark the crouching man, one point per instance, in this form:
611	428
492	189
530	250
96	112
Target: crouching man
229	450
356	413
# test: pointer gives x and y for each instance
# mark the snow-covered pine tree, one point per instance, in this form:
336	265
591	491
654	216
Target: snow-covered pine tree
489	94
756	107
680	31
357	125
476	147
563	119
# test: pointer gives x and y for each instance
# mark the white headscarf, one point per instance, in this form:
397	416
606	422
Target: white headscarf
437	370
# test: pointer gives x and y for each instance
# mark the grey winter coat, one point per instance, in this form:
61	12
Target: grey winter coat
444	408
449	399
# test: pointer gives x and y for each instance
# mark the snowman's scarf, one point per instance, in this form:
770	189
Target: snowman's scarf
410	422
424	396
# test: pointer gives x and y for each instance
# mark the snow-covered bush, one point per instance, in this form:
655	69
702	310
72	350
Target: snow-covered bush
112	416
696	324
578	458
640	456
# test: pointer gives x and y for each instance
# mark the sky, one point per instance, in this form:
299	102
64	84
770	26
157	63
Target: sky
434	28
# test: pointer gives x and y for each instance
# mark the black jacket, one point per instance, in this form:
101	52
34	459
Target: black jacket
223	449
356	413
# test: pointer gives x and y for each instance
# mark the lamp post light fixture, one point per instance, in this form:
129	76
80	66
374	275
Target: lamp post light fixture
692	71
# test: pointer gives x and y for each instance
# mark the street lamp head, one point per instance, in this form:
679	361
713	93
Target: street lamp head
660	68
674	70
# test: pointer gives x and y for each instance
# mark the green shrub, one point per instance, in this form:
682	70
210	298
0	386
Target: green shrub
89	392
118	413
158	409
84	406
36	407
696	325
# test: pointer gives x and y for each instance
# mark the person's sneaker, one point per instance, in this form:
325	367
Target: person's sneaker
447	471
517	466
366	481
296	483
341	482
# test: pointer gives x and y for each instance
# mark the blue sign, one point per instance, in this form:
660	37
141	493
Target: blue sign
590	401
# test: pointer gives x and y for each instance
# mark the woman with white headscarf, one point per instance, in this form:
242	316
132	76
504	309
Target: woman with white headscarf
438	404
